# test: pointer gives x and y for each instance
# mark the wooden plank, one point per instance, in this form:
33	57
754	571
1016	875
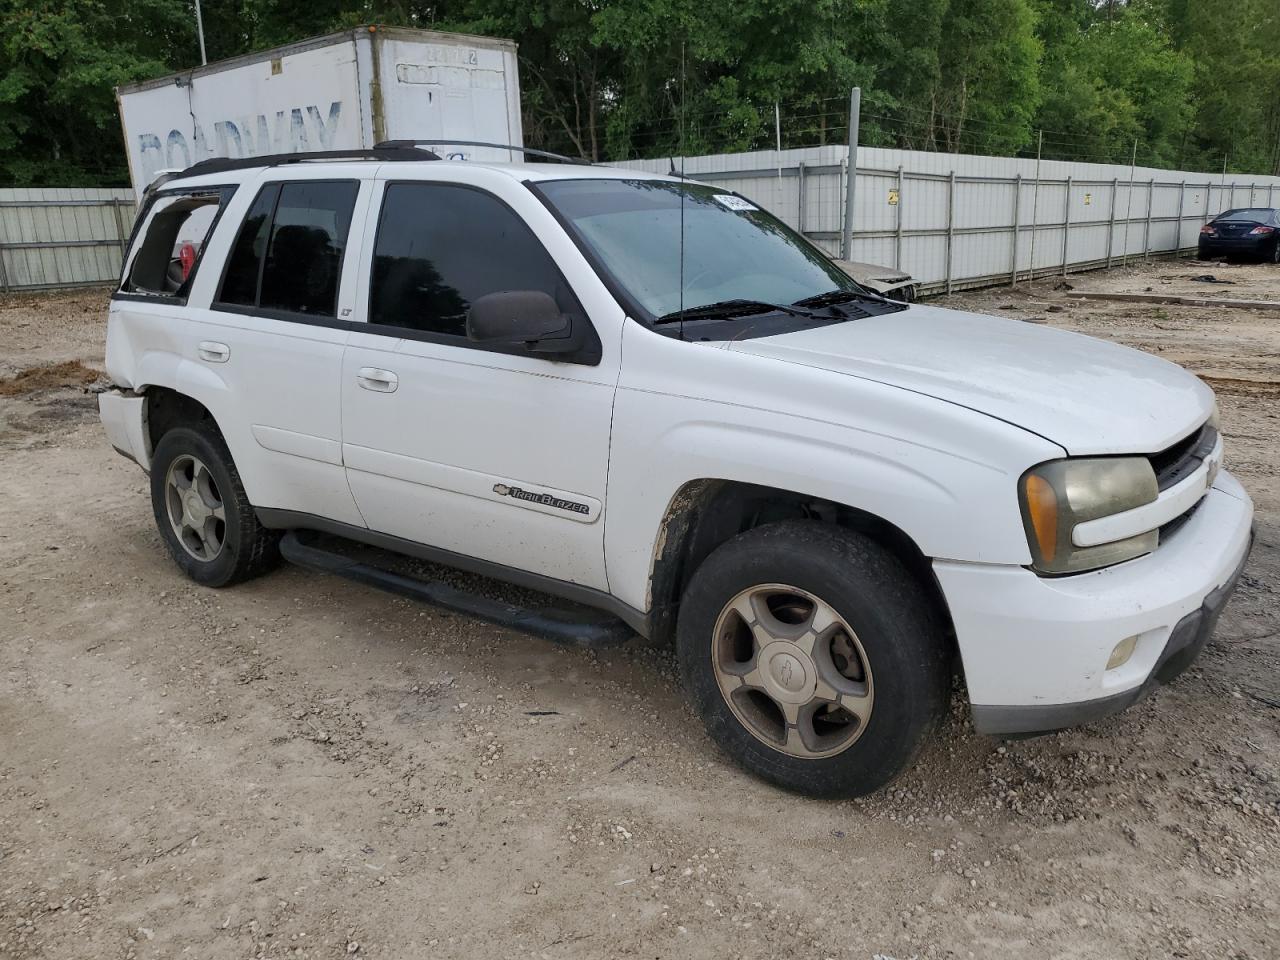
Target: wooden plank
1268	305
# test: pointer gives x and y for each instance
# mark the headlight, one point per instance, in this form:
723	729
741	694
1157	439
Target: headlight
1058	495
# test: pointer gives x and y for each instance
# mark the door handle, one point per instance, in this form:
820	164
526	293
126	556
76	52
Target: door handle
213	351
377	379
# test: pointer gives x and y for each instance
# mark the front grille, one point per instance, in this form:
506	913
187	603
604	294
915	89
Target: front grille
1167	530
1174	464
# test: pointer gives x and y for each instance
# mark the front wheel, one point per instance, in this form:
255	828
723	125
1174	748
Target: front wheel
813	657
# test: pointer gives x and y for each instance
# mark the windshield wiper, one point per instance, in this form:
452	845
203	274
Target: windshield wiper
736	308
833	297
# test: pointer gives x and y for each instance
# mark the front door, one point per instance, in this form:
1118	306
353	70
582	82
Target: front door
500	456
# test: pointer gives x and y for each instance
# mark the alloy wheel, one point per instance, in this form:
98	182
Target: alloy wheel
792	671
196	510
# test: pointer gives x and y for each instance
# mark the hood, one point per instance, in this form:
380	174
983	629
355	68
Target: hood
1089	396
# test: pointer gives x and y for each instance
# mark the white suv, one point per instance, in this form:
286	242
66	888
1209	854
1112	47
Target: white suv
650	397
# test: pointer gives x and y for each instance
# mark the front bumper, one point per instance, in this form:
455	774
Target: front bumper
1035	649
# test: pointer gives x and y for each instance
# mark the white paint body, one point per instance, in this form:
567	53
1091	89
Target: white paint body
925	418
343	91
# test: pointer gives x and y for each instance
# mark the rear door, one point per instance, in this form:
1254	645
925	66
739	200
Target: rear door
496	455
270	337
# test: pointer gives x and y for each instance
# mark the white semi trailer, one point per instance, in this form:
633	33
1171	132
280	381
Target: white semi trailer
342	91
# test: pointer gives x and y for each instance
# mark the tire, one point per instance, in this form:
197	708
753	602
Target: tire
1275	252
198	455
896	635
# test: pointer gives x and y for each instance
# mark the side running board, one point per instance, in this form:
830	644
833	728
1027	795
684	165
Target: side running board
581	629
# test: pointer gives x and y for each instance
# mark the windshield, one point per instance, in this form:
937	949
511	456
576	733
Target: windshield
733	250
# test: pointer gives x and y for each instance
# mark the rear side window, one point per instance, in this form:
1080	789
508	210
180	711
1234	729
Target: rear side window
288	253
440	247
166	248
244	269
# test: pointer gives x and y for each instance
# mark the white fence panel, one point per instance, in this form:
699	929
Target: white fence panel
62	237
955	220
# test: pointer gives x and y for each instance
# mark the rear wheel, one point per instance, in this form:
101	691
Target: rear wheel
813	657
202	511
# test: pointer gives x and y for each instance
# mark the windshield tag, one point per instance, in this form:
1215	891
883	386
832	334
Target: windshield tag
734	203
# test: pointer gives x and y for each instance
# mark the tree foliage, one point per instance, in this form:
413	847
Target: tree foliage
1189	82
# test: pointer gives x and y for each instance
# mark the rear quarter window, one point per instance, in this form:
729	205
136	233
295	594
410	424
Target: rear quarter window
172	230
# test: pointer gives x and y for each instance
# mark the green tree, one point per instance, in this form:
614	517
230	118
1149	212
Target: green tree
59	64
1112	76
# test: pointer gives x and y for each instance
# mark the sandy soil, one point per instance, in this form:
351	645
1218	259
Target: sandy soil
304	767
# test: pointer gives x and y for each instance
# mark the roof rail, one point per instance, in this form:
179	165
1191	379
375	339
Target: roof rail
393	152
527	151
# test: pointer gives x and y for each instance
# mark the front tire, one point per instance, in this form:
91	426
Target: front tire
813	657
202	512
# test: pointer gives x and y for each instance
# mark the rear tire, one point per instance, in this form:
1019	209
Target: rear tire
202	512
802	609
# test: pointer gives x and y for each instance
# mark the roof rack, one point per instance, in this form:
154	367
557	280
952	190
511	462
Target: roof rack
379	152
527	151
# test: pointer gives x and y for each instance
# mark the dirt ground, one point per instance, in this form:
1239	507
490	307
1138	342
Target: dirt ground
305	767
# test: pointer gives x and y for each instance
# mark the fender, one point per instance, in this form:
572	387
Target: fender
951	487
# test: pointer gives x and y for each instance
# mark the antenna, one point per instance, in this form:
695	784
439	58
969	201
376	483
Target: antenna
683	91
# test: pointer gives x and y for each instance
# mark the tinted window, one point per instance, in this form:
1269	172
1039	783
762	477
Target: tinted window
167	248
304	255
240	284
440	247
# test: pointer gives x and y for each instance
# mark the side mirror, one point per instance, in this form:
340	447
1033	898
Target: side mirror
513	317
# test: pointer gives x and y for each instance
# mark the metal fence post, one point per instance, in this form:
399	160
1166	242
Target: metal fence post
1017	202
1066	224
1177	233
1128	203
121	229
951	223
800	196
897	239
855	111
844	185
1111	220
1146	232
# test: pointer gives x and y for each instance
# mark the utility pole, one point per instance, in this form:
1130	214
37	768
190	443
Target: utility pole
855	113
200	33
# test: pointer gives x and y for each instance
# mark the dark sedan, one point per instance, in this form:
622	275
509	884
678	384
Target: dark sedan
1252	232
